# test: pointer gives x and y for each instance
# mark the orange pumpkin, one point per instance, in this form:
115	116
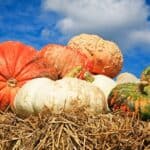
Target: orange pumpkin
64	59
18	64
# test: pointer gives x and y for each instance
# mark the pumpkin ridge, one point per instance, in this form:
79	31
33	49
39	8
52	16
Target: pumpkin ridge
4	77
3	101
16	59
6	63
9	57
2	87
19	58
27	64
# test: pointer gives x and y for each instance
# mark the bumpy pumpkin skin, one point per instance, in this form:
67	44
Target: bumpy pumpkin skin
132	98
18	64
106	55
64	59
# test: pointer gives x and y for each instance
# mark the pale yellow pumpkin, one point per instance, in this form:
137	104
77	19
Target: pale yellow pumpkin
127	77
66	93
104	83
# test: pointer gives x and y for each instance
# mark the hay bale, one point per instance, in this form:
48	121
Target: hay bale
76	129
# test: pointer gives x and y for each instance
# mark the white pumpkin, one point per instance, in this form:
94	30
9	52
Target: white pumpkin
127	77
31	97
61	94
104	83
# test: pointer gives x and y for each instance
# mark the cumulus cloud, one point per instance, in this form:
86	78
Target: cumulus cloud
117	20
141	36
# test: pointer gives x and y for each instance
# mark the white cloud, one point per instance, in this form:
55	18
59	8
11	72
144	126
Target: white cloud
123	21
142	36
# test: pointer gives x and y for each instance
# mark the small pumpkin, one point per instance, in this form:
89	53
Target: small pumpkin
64	59
106	55
103	82
18	64
127	77
66	93
132	97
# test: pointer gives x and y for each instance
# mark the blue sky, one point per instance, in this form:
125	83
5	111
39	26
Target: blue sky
39	22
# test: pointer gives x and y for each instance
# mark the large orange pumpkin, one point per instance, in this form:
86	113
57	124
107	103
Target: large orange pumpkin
64	59
18	64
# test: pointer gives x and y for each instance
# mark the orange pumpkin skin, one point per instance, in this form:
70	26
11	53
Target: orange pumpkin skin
18	64
64	59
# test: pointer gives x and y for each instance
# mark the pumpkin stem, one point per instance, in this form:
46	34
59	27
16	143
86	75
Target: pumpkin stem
12	82
88	76
74	72
144	87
